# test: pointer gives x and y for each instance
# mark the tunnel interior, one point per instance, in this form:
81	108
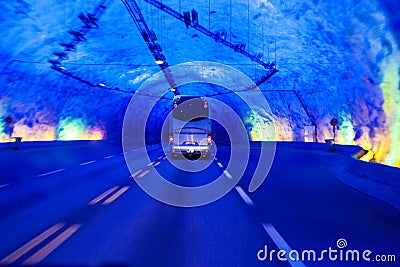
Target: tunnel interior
199	133
334	62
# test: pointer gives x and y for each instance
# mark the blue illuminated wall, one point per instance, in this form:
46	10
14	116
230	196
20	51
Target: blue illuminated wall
342	57
48	106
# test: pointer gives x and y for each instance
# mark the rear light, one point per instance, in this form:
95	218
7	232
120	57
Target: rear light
175	104
171	140
209	139
205	104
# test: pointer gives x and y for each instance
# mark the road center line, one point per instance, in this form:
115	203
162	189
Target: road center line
220	164
86	163
143	173
281	243
31	244
4	185
115	195
136	173
48	173
227	174
244	196
52	245
102	196
109	157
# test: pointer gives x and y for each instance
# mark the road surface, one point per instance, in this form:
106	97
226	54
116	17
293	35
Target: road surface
79	206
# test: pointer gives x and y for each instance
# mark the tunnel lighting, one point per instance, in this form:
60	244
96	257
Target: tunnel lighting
173	89
63	68
102	84
159	62
368	156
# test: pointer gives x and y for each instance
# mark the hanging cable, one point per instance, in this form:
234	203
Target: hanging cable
248	26
262	35
209	15
275	50
230	22
217	36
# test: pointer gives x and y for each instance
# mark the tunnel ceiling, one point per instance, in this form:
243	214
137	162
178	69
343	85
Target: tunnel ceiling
342	59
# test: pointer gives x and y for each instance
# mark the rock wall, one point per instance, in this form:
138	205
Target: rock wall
341	57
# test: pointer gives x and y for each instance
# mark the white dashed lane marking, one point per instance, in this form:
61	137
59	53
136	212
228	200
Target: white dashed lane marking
143	173
281	243
31	244
52	245
4	185
86	163
115	195
220	164
103	196
156	164
244	196
109	157
135	173
227	174
48	173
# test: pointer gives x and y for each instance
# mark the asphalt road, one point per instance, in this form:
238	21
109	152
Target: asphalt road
80	207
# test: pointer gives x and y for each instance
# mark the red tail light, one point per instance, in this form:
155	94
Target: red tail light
209	139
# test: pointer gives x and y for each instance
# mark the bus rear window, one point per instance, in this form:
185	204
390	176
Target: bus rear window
194	109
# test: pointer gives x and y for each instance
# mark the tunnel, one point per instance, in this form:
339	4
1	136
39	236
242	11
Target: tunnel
199	133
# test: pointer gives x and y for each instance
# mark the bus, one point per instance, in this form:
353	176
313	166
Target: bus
190	128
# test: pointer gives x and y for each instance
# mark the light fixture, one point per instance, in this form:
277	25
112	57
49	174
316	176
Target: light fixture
102	84
159	62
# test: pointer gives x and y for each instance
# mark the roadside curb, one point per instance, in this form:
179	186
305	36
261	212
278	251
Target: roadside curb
375	189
